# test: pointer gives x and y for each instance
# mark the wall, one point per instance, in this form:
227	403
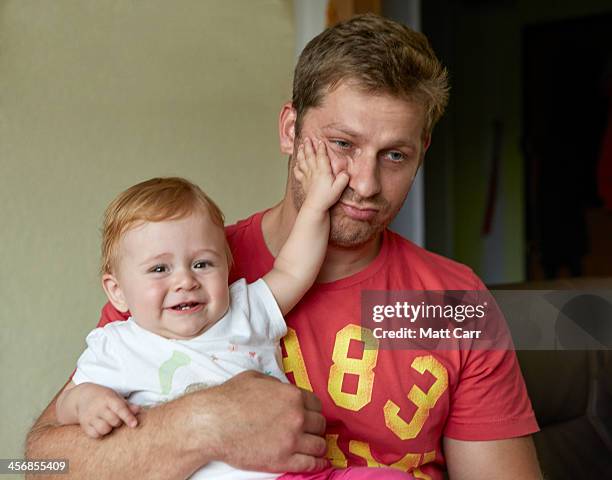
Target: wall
96	96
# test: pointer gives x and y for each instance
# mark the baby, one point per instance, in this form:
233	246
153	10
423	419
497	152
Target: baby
166	260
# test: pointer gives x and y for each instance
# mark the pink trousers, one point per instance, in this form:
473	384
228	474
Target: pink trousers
350	473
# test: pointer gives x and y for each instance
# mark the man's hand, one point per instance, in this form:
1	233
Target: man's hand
252	422
260	423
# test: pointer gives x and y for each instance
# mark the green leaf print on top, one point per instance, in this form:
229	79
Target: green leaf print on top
167	369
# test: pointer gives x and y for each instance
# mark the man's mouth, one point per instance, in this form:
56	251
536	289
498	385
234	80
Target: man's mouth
358	213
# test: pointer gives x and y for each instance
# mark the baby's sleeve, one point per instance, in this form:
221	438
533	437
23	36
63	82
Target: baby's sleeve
100	363
265	312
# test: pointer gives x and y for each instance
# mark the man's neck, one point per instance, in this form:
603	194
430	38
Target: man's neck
339	262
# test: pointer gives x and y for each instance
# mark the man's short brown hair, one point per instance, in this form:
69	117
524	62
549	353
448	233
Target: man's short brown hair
154	200
381	56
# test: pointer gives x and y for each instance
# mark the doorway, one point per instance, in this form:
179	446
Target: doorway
566	69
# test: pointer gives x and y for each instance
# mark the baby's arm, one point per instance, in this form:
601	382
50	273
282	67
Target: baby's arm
96	408
298	263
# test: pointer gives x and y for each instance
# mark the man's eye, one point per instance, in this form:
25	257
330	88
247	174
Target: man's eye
202	264
395	156
342	144
159	269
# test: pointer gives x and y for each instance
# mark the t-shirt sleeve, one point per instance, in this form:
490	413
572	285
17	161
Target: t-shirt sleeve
491	400
100	364
110	314
266	316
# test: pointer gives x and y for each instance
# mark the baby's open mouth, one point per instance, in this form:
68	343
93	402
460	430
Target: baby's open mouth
185	306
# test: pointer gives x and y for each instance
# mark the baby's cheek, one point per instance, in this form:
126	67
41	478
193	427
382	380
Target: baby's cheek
155	296
222	294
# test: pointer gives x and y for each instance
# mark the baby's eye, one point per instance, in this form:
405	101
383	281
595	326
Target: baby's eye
395	156
202	264
159	269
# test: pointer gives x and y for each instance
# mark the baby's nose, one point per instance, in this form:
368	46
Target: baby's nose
185	280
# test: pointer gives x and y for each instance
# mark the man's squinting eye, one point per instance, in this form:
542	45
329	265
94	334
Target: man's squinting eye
344	145
395	156
202	264
158	269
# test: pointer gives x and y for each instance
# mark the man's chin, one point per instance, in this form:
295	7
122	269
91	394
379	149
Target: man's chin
348	233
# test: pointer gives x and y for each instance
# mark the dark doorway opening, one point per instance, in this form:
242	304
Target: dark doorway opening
567	69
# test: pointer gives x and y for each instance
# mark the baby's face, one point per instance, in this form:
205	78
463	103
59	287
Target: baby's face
173	275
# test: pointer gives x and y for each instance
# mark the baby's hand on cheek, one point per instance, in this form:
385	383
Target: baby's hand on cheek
101	409
314	172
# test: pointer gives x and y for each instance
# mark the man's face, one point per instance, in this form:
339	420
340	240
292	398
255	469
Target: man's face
378	140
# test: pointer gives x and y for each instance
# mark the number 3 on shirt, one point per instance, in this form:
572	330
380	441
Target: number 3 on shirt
424	401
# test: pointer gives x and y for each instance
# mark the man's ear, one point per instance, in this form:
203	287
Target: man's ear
286	128
426	142
113	292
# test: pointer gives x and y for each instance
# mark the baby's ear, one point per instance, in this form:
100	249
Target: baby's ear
113	292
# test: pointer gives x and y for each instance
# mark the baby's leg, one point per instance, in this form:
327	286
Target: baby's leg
351	473
322	475
365	473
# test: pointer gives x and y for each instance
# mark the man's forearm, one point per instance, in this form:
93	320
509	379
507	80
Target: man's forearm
225	423
505	459
156	449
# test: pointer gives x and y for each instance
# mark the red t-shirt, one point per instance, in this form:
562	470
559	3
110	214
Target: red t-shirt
388	407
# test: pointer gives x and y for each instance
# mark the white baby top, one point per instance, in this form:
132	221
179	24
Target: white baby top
149	369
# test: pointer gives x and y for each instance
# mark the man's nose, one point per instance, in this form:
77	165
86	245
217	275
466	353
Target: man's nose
185	280
364	174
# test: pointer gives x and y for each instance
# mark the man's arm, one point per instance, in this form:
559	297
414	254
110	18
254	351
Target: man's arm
492	460
177	438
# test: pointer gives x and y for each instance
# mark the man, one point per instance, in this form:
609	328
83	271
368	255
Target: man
371	90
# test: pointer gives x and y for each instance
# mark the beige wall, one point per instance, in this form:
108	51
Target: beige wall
98	95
